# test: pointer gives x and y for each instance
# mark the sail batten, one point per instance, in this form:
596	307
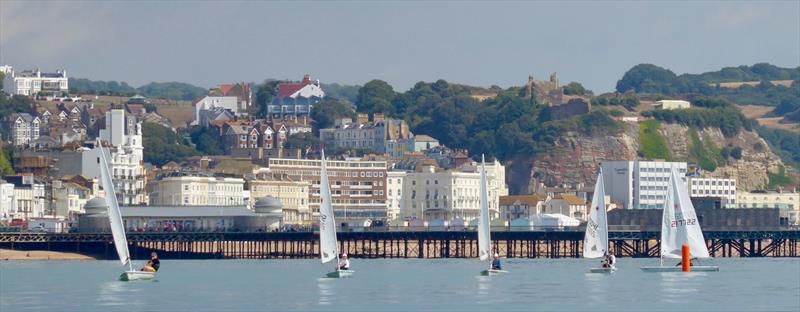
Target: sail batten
679	223
484	232
114	215
327	223
595	241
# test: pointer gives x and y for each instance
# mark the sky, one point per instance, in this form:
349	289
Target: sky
351	42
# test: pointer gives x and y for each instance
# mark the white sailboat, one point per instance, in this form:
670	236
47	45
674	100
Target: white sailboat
117	226
679	226
327	225
595	241
484	227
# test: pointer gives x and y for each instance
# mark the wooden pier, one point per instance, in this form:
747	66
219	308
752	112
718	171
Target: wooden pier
395	244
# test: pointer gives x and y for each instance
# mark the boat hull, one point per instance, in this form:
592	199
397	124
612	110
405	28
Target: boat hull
137	276
492	272
697	268
340	274
602	270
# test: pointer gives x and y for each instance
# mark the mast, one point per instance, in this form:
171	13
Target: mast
484	232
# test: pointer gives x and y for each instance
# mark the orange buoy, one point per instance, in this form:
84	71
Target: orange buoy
686	261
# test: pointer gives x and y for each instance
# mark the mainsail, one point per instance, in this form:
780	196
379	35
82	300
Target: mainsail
114	215
327	224
595	242
484	234
679	224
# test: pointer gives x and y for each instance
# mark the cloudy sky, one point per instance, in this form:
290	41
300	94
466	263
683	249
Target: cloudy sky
351	42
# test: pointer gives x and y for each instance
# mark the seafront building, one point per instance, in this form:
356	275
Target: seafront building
184	189
724	189
639	184
293	195
431	193
394	193
521	206
28	199
358	186
787	202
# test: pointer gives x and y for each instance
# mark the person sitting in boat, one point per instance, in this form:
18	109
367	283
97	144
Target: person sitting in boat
612	260
496	264
344	263
153	264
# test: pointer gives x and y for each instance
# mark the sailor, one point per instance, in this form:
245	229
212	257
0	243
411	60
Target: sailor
612	260
344	263
606	262
153	264
496	264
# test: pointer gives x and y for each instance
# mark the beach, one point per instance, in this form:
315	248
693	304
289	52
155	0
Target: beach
8	254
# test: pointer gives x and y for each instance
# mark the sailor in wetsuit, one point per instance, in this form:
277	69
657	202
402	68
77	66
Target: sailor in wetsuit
496	264
153	264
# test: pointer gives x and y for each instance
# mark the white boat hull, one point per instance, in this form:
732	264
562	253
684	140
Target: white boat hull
492	272
696	268
341	274
603	270
137	276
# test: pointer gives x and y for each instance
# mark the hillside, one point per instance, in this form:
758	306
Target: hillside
575	157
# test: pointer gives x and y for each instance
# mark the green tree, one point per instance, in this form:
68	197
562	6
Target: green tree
5	162
163	145
375	96
302	141
172	91
325	113
205	141
265	93
575	88
151	108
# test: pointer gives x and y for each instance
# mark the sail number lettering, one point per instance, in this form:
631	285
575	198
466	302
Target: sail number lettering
592	226
683	222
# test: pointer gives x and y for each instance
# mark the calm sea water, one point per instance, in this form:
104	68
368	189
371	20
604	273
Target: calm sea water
392	284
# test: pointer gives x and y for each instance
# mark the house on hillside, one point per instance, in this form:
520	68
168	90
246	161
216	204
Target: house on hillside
296	98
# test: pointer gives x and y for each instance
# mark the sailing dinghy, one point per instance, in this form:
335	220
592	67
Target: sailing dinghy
484	227
117	227
327	225
679	226
595	241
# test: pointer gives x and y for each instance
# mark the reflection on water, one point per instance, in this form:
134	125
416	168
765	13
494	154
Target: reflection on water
676	286
326	290
113	293
597	286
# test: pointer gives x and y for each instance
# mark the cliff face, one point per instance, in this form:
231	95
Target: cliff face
575	157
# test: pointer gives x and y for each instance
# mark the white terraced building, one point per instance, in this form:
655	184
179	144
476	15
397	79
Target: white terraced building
191	190
31	82
394	193
431	193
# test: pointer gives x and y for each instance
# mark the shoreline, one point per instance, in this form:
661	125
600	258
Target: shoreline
8	254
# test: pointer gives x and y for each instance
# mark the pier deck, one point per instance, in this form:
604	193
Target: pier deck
395	244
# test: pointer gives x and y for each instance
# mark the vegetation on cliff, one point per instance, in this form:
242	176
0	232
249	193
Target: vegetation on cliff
652	145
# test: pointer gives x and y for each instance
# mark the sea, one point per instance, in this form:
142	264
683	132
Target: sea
742	284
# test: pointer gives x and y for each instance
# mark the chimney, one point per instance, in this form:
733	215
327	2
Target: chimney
363	118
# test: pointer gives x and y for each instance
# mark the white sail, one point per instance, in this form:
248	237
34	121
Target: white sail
595	242
114	215
484	233
679	224
327	224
